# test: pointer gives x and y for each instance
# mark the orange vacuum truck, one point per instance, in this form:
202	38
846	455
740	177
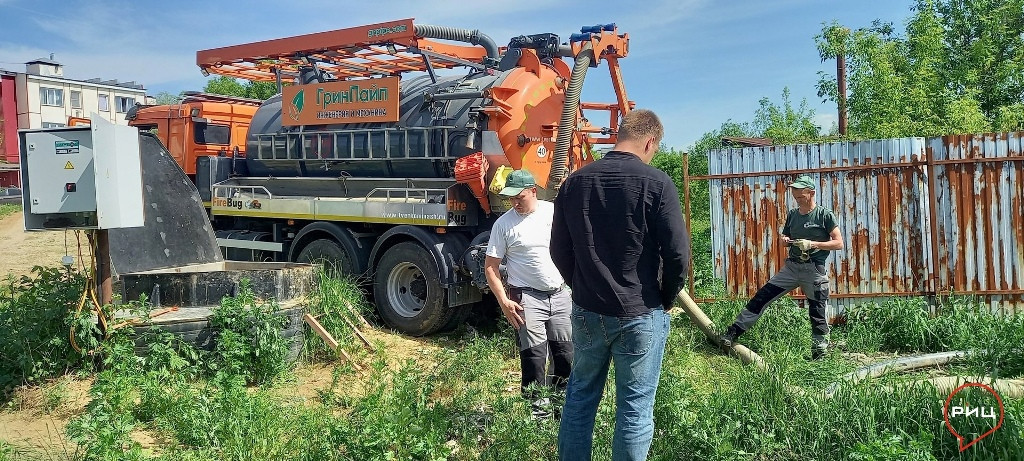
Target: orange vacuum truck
382	151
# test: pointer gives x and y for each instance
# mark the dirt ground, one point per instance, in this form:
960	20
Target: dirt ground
20	250
35	418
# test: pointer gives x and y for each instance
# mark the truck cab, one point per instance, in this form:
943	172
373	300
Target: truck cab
201	125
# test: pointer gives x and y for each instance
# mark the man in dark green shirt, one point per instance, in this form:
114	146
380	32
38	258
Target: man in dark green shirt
811	232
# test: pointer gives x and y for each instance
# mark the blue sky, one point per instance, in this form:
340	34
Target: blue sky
697	63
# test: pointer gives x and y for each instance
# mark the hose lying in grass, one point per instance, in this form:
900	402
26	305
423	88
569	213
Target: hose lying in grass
747	356
898	364
1013	388
699	318
1006	387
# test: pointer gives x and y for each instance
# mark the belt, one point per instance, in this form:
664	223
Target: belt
547	293
809	261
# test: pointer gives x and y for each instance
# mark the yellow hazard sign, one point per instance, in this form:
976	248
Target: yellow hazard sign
69	166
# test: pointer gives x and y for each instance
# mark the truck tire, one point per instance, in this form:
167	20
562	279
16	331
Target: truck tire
408	292
335	259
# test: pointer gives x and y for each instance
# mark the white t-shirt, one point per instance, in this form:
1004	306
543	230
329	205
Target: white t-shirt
524	241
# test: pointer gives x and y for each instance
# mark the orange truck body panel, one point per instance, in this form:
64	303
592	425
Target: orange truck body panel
193	129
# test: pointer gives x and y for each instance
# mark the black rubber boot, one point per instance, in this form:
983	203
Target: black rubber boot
729	337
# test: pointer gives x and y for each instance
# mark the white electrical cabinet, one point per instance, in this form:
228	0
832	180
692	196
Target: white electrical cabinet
84	177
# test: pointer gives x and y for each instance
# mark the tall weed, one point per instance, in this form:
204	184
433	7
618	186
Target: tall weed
332	303
907	326
104	430
755	417
37	314
249	341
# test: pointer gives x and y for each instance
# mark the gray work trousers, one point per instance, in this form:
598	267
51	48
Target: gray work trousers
547	326
812	278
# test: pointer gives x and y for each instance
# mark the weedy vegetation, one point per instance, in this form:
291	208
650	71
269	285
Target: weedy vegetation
8	209
461	402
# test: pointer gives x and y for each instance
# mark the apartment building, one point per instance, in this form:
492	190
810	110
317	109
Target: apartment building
42	97
47	99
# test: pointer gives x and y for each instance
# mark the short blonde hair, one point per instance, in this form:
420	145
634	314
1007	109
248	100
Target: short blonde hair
640	124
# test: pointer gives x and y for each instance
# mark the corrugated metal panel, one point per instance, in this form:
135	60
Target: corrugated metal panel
867	184
880	191
980	216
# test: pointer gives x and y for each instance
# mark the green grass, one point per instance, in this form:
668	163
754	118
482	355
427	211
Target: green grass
461	402
9	209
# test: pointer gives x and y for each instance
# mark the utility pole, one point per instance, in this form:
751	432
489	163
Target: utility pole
841	79
103	271
841	82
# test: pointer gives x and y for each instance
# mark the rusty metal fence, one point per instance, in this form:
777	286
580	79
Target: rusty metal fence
920	216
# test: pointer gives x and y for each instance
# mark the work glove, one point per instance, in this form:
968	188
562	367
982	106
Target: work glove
803	244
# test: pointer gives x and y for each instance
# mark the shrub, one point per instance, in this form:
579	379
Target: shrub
248	335
37	314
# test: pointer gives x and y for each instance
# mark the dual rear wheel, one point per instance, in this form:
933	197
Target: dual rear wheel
406	284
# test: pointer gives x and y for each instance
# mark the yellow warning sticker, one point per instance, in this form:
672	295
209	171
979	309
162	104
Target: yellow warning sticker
69	166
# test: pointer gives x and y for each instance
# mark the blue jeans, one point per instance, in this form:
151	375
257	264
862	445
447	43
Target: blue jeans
636	345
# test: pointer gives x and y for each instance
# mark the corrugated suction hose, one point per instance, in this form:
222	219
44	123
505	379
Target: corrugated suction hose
559	161
471	36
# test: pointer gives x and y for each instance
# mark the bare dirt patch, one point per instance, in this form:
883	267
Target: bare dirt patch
36	417
23	250
395	349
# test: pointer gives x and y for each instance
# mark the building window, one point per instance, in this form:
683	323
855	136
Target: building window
52	125
124	103
76	99
51	96
103	102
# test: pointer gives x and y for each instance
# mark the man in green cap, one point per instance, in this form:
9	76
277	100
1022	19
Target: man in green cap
535	302
811	231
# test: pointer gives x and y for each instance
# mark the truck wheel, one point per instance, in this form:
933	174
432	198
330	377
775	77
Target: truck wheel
335	259
407	290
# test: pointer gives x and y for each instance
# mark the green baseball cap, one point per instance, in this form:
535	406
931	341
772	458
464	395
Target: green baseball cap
803	182
516	182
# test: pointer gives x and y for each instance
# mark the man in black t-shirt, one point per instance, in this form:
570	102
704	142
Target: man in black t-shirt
811	231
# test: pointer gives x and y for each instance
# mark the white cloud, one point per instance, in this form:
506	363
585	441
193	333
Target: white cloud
825	121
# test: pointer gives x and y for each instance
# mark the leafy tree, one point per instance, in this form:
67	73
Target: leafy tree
231	87
224	85
785	124
260	90
165	98
985	39
1009	118
958	68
